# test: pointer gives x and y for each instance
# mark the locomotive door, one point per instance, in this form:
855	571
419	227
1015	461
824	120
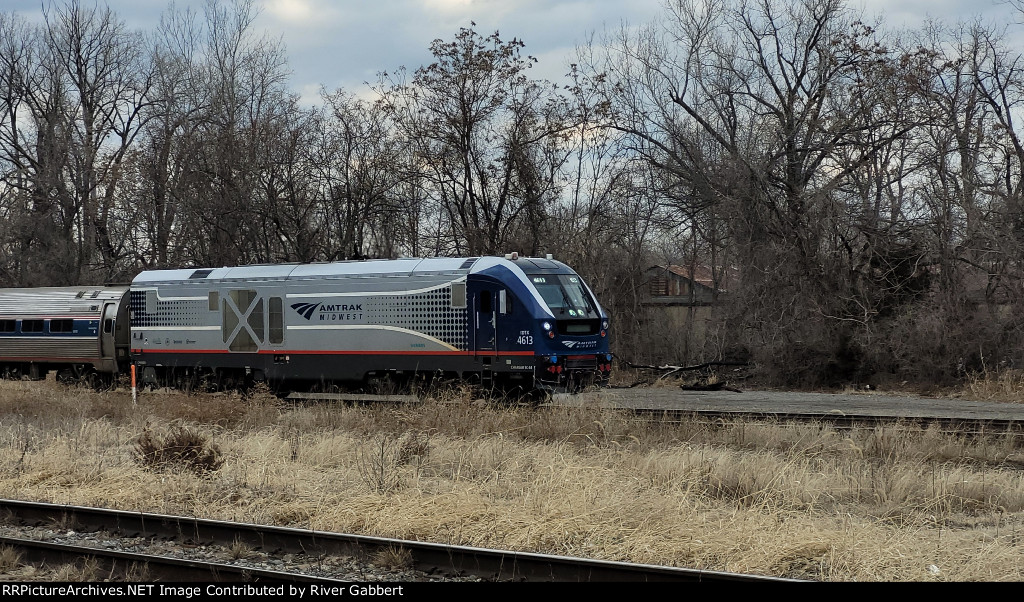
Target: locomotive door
486	320
242	326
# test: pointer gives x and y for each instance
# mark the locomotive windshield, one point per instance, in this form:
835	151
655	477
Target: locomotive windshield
565	296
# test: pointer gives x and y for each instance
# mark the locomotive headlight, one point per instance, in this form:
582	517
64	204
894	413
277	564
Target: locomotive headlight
546	325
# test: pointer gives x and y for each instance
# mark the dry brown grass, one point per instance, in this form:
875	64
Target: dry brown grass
806	501
10	559
1005	385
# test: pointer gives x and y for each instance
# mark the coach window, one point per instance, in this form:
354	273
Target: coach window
61	326
8	325
108	325
31	325
276	321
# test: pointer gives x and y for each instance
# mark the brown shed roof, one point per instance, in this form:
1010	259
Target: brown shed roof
702	274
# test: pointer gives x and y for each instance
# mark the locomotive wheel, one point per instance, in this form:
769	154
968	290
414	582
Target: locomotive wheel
186	381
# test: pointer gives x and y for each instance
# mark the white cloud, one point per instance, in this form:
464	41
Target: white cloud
292	11
450	6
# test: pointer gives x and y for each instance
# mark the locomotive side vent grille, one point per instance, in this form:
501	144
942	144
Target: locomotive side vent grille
430	313
167	313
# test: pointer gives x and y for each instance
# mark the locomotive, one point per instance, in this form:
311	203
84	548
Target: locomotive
507	323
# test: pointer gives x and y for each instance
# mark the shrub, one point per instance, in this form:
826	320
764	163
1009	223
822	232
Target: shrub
179	448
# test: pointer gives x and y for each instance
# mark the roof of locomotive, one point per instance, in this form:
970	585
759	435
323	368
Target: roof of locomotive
454	266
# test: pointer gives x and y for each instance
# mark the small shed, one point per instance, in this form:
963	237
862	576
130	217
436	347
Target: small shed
669	285
679	317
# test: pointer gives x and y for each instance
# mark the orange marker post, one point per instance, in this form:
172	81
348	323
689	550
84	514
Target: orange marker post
135	399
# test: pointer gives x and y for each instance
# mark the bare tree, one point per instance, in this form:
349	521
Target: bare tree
760	111
166	174
484	134
222	121
361	162
108	81
74	89
38	238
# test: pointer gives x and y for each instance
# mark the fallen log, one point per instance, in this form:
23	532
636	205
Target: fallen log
672	368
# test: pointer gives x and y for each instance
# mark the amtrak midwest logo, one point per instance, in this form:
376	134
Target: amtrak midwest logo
330	312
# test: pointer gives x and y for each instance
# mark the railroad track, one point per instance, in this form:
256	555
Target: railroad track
965	426
129	566
838	410
662	412
427	558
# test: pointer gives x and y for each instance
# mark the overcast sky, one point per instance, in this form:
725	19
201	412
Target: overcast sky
344	43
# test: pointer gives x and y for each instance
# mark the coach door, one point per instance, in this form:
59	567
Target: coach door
107	343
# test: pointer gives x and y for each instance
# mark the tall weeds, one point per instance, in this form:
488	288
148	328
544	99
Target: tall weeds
805	500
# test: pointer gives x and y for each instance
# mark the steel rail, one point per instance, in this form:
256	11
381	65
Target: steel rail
974	426
495	565
137	566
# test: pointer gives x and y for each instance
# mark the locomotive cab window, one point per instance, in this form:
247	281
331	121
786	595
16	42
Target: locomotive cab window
485	302
565	296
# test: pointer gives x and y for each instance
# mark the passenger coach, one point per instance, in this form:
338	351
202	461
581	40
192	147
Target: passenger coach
80	332
509	322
